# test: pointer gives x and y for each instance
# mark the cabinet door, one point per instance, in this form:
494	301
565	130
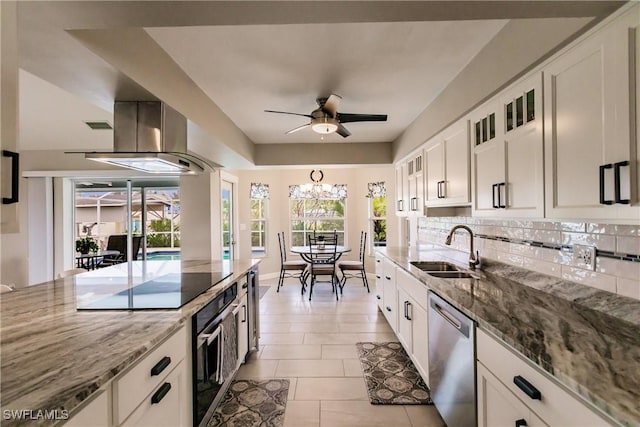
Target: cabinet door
498	407
167	405
379	282
456	160
404	321
95	414
587	125
242	329
488	172
401	188
434	155
420	339
390	294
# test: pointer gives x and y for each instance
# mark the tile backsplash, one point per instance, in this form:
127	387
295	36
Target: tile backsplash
547	247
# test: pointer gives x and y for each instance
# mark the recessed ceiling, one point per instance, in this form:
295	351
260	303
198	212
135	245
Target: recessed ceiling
378	68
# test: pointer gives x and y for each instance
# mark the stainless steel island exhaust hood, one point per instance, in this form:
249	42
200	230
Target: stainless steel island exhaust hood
149	136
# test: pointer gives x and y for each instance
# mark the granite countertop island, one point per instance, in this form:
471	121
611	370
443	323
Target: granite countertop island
54	356
587	339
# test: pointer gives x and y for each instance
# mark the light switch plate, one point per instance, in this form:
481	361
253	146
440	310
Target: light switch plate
585	256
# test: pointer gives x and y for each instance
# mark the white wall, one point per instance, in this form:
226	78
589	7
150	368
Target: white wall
356	180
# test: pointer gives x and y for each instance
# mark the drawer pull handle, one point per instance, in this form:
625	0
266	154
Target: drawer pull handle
161	393
527	387
388	277
521	422
160	366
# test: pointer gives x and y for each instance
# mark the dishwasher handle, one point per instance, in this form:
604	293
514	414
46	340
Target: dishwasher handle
452	316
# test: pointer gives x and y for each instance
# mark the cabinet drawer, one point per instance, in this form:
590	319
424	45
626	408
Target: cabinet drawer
413	287
555	405
132	387
165	405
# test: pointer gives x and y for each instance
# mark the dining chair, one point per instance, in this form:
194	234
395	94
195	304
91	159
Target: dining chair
290	269
323	262
355	269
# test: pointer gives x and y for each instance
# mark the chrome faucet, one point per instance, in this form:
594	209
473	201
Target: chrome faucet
474	256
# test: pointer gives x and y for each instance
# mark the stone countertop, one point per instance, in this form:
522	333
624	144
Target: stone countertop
588	339
54	356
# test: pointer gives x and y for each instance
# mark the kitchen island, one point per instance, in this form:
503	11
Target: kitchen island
585	340
54	357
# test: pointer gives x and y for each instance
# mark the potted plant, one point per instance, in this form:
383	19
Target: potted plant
84	245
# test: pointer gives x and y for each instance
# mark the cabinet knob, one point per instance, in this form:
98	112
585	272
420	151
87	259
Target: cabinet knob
378	296
388	308
521	422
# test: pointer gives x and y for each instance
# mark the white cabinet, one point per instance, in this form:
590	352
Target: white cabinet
507	160
412	320
402	189
167	404
415	183
515	383
135	390
390	293
96	413
447	167
379	281
591	149
242	327
498	407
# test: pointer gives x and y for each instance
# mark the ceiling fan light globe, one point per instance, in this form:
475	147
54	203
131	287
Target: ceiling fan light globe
324	125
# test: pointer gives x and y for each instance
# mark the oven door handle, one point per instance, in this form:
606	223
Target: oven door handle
219	378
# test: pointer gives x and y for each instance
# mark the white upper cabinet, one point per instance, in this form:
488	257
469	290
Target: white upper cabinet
447	164
402	189
507	154
591	151
415	183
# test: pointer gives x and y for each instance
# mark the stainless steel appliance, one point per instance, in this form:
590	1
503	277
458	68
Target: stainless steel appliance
215	348
254	309
452	373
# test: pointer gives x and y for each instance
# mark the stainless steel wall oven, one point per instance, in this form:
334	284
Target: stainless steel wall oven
214	348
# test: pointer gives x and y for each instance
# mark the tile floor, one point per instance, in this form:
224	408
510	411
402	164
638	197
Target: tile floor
313	344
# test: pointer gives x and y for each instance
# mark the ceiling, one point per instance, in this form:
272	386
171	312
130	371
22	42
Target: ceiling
223	63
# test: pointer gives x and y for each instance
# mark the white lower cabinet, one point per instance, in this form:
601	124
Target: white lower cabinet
498	407
96	413
166	405
511	389
379	282
390	294
412	320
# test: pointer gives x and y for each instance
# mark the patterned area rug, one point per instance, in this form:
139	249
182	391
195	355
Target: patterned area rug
250	403
390	375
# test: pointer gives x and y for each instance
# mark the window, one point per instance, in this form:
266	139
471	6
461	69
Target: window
319	208
377	214
259	200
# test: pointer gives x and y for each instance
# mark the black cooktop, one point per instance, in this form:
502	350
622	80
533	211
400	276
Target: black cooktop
164	292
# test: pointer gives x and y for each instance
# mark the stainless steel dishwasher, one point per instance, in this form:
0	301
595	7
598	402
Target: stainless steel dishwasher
452	372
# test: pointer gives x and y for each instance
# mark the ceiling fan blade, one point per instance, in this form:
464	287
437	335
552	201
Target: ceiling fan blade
286	112
350	118
297	129
331	105
342	131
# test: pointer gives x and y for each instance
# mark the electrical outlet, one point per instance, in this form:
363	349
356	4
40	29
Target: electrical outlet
585	256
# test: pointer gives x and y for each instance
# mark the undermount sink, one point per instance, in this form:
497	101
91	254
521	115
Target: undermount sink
429	266
451	274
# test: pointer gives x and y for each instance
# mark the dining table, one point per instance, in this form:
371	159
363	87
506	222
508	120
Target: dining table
305	252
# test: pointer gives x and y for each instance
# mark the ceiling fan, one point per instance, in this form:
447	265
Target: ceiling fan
325	119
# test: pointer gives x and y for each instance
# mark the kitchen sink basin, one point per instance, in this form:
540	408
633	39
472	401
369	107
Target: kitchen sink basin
434	266
451	274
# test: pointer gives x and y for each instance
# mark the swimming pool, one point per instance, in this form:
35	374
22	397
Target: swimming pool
163	256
